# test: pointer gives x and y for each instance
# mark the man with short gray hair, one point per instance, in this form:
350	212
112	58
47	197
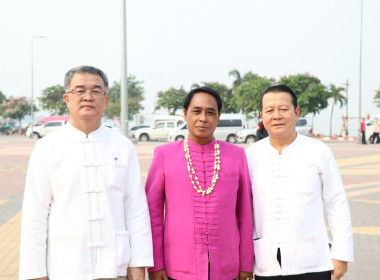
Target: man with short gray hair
85	214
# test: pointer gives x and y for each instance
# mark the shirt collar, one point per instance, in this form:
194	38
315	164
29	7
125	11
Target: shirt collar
198	147
80	135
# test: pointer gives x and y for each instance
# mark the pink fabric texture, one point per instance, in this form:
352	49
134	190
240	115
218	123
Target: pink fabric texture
189	229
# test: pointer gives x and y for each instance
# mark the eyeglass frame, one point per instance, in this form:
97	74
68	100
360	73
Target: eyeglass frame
91	91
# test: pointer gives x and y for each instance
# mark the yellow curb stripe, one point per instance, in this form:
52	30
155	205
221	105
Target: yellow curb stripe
367	230
359	171
3	201
365	201
353	186
357	160
10	246
356	193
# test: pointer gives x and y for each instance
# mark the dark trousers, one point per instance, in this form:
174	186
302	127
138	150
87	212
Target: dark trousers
363	138
324	275
375	138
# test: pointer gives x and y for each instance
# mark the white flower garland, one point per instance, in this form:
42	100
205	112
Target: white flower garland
191	170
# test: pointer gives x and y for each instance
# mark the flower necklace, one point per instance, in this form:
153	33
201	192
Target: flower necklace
191	170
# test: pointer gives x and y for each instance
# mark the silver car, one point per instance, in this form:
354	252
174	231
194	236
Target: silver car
248	135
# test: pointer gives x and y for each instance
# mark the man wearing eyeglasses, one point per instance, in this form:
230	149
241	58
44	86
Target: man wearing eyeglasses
85	214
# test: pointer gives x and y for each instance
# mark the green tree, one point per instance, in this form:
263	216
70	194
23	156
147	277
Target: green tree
16	108
52	101
171	99
376	98
248	94
225	93
238	80
2	98
311	93
334	93
135	97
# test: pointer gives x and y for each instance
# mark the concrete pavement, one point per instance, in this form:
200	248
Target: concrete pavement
358	164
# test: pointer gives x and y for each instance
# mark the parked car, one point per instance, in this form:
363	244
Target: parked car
250	135
33	130
228	126
159	131
304	127
134	128
247	135
369	127
47	128
8	128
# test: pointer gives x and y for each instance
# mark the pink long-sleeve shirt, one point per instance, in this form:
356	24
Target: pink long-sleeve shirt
190	230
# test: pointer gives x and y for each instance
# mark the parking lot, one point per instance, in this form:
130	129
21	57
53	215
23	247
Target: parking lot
359	166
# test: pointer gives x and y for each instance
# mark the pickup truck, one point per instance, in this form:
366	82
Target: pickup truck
42	130
159	131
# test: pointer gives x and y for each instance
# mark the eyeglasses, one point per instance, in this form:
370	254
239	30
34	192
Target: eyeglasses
80	92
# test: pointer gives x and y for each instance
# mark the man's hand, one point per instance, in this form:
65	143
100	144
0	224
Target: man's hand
245	275
340	268
136	273
158	275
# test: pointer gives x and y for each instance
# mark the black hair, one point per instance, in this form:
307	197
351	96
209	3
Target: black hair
189	96
280	88
85	69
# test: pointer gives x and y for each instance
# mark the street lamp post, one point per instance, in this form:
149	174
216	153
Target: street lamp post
346	84
360	68
32	75
124	80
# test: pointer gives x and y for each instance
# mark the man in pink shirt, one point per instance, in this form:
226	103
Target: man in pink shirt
200	201
362	130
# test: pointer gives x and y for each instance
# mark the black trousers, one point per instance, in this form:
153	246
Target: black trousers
363	138
324	275
375	138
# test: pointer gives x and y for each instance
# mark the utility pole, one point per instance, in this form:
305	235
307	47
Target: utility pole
360	68
346	84
124	81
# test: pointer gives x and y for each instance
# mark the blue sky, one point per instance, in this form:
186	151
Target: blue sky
178	43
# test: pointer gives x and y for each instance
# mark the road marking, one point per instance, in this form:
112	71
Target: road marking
3	201
357	160
367	230
356	193
359	171
12	167
365	200
367	184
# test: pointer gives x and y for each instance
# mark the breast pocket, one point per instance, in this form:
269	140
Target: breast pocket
307	182
229	181
115	176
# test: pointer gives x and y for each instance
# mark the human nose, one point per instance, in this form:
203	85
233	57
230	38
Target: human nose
203	117
277	114
88	95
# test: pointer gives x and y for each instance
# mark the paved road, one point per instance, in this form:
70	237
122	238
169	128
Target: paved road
359	166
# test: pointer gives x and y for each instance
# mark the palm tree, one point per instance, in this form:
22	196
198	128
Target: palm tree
334	93
238	80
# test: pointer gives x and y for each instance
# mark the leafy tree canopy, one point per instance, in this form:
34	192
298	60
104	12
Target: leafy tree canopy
225	94
248	94
171	99
2	97
135	97
311	93
376	98
52	101
334	93
16	108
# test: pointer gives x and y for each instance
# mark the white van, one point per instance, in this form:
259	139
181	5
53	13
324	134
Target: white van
179	121
369	127
228	126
